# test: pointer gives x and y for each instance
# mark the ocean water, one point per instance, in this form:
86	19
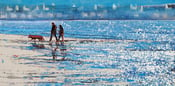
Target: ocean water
151	30
87	10
141	51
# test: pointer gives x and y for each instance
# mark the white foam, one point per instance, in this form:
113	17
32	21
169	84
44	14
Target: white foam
133	7
9	8
13	15
95	7
25	8
84	14
17	8
37	8
45	8
114	6
3	16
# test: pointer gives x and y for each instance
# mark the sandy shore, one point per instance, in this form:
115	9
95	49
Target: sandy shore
21	65
14	73
11	72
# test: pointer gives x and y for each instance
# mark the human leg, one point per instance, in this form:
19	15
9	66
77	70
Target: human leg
55	37
59	37
50	37
63	38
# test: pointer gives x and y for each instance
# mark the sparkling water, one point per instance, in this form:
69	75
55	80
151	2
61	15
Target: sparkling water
89	10
140	53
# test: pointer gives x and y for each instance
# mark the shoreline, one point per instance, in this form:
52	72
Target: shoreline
16	70
46	39
66	39
22	64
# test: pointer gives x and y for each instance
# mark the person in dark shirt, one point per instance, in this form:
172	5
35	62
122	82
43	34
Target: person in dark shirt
61	33
53	31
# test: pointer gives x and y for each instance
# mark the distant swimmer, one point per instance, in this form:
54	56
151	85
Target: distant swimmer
53	31
61	33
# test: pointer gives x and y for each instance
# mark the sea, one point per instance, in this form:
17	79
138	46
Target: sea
108	43
141	53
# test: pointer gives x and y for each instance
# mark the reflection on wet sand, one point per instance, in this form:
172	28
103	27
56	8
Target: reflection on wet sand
84	63
54	51
61	48
40	46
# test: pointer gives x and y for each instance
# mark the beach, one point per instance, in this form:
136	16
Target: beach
87	43
112	53
20	66
11	71
14	71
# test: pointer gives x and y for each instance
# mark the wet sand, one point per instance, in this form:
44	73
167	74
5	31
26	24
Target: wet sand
11	72
80	62
15	70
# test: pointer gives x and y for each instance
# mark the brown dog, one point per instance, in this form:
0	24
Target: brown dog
34	37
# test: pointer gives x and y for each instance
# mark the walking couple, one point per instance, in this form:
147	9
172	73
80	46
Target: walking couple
54	32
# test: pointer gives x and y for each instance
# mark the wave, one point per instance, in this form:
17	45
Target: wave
94	12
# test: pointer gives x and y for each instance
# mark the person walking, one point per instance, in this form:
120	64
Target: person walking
61	33
53	31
